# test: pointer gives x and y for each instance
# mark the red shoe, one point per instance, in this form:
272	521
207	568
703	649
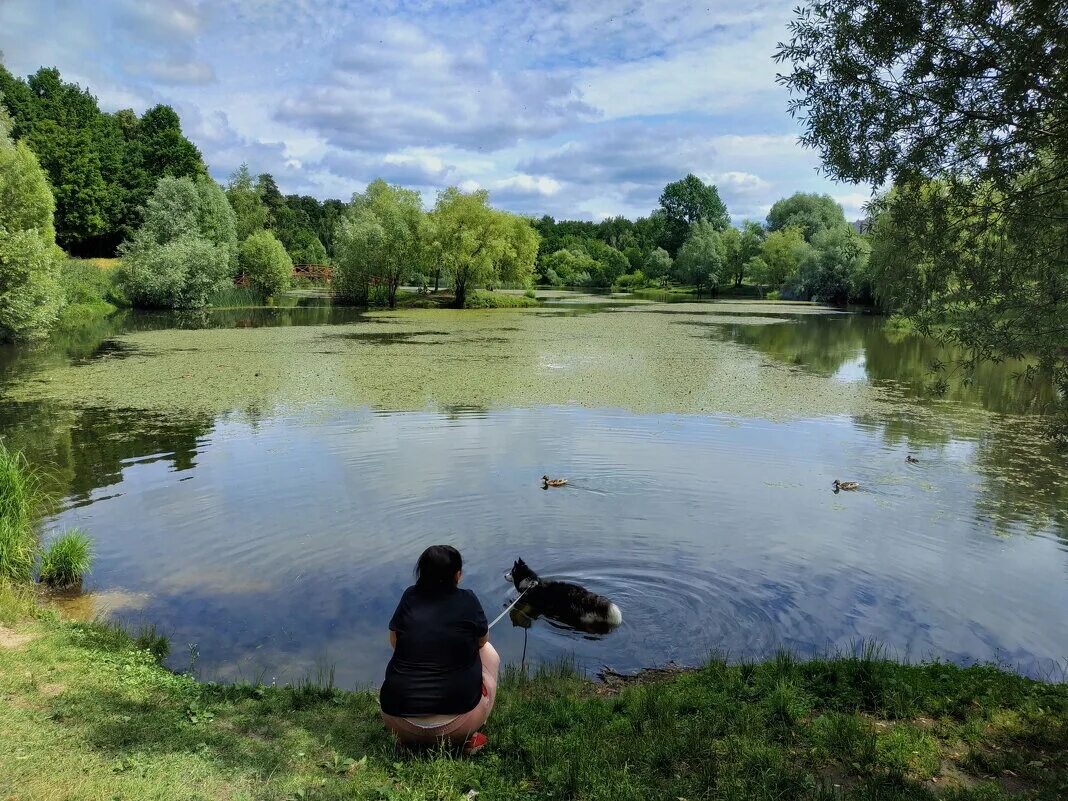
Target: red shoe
475	743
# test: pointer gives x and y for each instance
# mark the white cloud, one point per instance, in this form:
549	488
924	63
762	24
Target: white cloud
530	185
166	72
574	109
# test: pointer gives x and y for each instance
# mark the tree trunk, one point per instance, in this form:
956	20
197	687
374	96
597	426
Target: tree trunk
393	294
437	279
461	293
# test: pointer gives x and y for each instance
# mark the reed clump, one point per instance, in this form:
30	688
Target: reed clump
20	503
65	562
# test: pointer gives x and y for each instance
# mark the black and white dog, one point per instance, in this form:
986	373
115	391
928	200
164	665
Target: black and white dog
559	601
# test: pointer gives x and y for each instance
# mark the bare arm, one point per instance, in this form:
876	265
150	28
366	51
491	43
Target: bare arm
484	640
393	639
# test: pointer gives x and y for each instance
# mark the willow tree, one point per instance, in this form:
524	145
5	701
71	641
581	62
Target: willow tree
185	250
702	258
476	244
961	108
381	241
30	294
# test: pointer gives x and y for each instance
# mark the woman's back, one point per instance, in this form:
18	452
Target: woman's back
435	669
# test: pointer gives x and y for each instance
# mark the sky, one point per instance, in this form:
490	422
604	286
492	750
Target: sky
582	109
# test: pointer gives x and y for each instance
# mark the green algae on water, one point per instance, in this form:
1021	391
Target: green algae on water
634	359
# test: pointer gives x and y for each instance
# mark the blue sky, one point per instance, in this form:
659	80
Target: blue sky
580	109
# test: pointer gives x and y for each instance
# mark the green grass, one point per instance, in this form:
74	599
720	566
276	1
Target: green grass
86	714
66	560
236	297
20	501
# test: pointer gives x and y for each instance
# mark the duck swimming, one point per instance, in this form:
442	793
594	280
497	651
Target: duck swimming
547	482
845	485
912	459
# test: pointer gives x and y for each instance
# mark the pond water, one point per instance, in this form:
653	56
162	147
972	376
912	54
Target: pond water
259	483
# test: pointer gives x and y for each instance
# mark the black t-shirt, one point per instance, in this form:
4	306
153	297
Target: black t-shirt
435	669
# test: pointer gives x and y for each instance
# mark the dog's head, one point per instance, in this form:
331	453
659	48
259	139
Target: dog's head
521	576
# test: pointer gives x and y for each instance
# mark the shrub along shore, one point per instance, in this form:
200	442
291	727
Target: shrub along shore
86	714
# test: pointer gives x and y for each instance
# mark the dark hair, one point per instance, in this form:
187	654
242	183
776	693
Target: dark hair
437	568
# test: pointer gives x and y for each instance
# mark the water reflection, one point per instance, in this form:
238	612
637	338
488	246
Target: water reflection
711	534
278	538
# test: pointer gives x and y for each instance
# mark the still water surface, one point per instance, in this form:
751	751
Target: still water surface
259	484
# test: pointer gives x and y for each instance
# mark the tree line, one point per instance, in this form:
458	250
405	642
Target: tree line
804	249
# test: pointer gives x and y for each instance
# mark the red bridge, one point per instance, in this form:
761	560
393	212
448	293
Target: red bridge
314	272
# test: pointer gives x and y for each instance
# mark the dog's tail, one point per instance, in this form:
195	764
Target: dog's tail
615	617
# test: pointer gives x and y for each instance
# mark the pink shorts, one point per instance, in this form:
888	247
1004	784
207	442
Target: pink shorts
462	726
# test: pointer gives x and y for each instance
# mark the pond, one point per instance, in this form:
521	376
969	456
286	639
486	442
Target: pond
259	483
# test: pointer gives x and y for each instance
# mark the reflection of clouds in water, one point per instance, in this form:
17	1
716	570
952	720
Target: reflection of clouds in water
292	544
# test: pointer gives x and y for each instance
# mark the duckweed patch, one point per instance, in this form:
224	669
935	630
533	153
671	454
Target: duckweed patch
490	359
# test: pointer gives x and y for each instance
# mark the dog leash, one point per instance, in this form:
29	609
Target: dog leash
507	609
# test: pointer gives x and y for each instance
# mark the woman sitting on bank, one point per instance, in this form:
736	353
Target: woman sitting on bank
442	679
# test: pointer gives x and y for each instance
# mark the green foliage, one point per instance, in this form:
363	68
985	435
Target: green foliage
782	253
180	274
476	244
809	212
236	297
30	295
498	300
101	167
114	637
758	271
740	246
383	238
264	262
658	264
84	283
186	248
686	201
834	269
702	258
570	268
306	248
66	560
908	750
250	213
20	502
961	108
634	280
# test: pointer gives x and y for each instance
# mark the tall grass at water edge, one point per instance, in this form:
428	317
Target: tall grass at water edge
66	560
20	503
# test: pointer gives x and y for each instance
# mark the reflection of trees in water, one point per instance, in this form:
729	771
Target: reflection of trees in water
819	344
1024	478
824	344
80	450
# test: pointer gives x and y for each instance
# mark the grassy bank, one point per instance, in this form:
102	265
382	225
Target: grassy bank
84	715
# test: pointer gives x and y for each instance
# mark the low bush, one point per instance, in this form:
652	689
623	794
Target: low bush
66	560
497	300
265	263
181	274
